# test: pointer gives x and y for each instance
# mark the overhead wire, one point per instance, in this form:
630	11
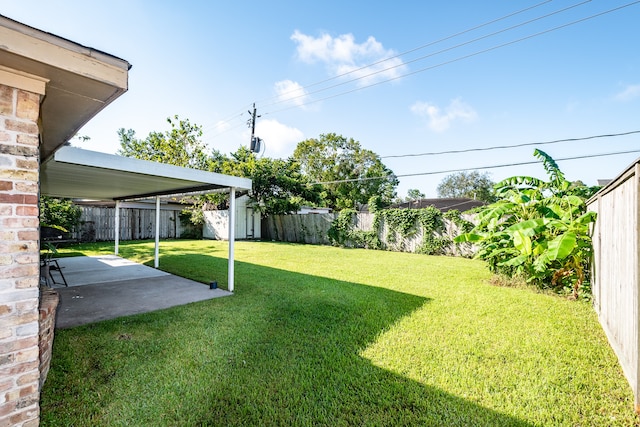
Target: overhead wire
450	48
452	61
501	147
224	121
226	130
424	46
460	58
221	123
586	156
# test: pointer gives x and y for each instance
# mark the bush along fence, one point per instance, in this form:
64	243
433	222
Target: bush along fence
426	231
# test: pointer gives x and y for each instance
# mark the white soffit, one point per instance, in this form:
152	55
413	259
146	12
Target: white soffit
77	173
80	81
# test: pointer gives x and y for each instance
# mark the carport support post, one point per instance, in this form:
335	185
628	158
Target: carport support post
117	227
232	234
157	260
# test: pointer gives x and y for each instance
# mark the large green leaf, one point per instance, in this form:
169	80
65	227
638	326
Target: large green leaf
587	218
529	226
495	211
556	225
574	200
522	242
518	181
468	237
515	261
562	246
546	211
550	165
557	249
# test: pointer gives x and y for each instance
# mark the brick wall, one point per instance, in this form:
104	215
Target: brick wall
49	299
19	257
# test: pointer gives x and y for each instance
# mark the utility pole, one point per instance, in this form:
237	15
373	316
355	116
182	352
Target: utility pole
255	142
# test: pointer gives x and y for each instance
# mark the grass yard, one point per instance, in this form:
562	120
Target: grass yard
318	335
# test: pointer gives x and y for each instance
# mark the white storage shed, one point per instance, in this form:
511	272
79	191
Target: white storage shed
216	223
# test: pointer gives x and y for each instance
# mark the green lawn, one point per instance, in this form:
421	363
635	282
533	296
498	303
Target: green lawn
325	336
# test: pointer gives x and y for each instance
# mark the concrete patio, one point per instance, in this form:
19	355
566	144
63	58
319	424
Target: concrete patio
105	287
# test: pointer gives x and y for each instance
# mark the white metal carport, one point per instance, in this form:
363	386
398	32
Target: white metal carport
77	173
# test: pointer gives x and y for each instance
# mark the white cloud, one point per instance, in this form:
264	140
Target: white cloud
279	139
343	55
290	91
438	119
629	93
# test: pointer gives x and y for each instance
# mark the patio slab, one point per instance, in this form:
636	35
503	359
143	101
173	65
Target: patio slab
106	287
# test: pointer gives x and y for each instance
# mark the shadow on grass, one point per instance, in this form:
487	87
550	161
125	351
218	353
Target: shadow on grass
285	350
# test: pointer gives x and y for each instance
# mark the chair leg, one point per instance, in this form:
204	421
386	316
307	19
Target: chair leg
59	270
45	273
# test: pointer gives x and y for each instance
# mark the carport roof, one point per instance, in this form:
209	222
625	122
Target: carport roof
77	173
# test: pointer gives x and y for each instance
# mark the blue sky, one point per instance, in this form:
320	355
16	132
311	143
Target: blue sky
209	61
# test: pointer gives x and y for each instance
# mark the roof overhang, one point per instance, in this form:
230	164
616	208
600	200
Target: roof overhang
77	173
78	81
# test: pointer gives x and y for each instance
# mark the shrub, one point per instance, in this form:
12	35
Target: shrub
59	213
538	230
402	222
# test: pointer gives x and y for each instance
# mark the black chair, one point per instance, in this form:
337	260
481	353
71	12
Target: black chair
49	264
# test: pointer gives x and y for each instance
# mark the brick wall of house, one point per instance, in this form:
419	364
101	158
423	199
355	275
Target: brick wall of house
19	257
49	299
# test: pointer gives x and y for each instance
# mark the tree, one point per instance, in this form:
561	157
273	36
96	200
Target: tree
180	146
474	185
278	186
349	173
538	230
414	194
59	213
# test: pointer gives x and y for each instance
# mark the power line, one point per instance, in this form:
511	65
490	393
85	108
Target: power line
440	64
432	54
221	123
460	58
426	56
226	130
532	162
413	50
500	147
225	121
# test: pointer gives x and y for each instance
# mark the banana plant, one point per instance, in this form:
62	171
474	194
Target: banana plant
539	230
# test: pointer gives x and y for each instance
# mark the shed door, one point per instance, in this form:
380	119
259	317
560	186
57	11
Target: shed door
250	224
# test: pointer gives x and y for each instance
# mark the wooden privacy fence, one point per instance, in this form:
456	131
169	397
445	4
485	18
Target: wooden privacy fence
98	224
616	269
314	228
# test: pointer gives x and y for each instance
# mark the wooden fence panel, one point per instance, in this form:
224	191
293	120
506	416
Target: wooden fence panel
310	228
98	224
313	229
616	275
